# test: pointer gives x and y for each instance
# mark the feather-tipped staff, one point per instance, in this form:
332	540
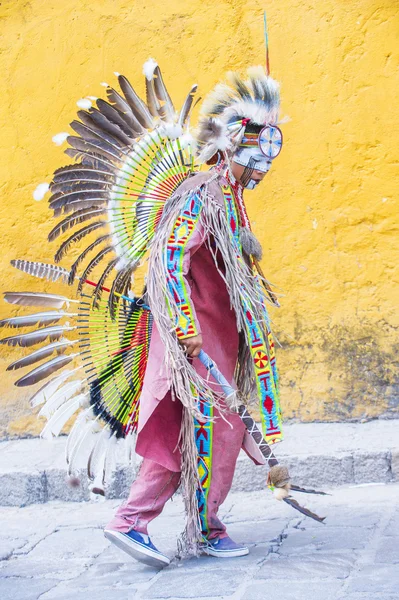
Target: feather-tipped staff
278	477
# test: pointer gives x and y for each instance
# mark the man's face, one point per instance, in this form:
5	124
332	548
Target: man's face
238	171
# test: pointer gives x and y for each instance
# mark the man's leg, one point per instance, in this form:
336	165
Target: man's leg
227	442
154	486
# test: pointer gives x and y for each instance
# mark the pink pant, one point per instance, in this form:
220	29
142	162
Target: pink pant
156	484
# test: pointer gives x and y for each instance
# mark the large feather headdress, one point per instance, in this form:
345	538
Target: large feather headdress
235	105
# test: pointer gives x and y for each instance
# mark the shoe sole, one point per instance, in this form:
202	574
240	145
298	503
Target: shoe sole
226	553
136	550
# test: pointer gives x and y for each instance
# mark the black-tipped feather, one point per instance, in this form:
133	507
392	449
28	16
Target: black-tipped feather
76	237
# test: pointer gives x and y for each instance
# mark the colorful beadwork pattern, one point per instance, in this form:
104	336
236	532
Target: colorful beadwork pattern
262	350
203	440
174	255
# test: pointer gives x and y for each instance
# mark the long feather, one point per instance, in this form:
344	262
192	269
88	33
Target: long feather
62	395
37	299
125	110
151	98
45	370
78	172
41	270
81	256
109	460
186	108
83	445
98	120
97	454
167	110
138	107
88	132
98	291
82	421
42	318
62	415
92	264
76	237
115	116
96	146
37	355
73	200
74	219
48	389
36	337
305	511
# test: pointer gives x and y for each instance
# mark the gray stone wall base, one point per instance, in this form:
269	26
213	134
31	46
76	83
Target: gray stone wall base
318	455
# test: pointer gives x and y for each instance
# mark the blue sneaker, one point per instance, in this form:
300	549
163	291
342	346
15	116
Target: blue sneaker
224	548
139	546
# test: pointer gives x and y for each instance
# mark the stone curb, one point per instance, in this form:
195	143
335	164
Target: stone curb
36	473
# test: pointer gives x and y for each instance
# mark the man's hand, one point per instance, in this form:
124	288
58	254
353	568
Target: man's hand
192	345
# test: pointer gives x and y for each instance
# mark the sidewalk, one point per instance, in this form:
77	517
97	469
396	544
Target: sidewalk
57	551
317	454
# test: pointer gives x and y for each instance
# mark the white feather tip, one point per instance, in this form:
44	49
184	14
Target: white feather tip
41	191
59	138
149	67
84	103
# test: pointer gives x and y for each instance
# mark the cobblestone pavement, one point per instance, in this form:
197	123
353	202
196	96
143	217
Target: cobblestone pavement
57	551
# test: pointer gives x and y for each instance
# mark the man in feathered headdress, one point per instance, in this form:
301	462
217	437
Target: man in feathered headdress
206	291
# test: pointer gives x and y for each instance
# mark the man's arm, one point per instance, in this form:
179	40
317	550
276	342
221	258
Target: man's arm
186	237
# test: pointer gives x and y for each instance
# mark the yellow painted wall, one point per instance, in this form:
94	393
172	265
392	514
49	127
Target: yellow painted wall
327	216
